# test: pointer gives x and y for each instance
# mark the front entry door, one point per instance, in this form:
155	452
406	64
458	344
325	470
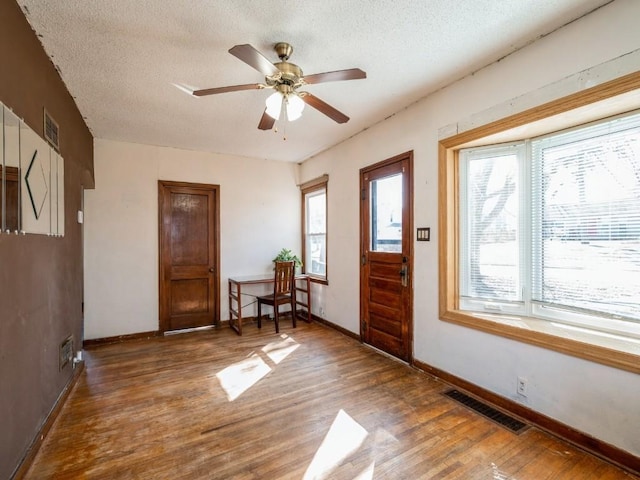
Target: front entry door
386	256
189	255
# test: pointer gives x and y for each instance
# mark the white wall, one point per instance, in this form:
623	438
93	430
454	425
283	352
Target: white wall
259	215
595	399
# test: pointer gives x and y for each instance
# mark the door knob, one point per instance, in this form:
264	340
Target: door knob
211	269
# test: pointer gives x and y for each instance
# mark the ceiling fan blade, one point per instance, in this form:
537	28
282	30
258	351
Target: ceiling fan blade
254	58
351	74
232	88
266	122
324	107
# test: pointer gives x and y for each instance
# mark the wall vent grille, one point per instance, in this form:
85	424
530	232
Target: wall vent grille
51	131
66	352
485	410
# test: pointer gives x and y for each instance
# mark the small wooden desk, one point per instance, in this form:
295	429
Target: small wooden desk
302	285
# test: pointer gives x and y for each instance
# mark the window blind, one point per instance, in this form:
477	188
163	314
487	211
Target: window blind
585	210
491	224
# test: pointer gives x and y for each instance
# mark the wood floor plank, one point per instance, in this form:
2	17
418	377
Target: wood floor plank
308	403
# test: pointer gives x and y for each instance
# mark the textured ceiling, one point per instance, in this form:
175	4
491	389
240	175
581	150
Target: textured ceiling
120	60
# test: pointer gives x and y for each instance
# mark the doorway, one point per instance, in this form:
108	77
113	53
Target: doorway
386	256
189	251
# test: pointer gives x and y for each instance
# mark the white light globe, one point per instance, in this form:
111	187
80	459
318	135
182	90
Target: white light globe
295	106
274	105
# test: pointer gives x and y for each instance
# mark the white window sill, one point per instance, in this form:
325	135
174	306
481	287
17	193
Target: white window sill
606	348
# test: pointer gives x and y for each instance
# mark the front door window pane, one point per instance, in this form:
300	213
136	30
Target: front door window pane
386	214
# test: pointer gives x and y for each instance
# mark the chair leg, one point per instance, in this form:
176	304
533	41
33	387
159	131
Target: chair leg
275	316
293	312
259	314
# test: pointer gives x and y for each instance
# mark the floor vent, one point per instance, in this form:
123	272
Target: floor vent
485	410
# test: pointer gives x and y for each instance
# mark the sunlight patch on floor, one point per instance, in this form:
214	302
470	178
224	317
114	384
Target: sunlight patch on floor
238	377
278	351
498	475
367	473
343	438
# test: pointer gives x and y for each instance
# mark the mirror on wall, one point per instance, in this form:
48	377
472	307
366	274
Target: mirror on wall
10	172
57	175
32	191
35	174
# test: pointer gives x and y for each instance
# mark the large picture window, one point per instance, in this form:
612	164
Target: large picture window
539	225
552	227
314	227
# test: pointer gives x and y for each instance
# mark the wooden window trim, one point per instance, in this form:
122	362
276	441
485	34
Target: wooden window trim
320	183
315	184
448	221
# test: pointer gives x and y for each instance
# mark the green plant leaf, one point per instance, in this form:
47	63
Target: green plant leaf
286	255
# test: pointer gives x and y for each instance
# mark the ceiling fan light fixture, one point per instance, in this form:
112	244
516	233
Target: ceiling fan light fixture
292	102
295	106
274	105
285	78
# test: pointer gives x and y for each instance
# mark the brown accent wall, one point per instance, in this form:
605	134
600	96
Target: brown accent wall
41	277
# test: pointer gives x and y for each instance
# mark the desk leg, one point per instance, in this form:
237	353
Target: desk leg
309	299
239	330
235	297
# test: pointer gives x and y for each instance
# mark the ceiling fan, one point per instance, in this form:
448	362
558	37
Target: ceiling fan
285	78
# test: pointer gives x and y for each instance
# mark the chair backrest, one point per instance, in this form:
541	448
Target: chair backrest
284	278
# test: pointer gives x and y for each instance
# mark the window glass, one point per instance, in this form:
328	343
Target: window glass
386	214
587	198
550	227
316	236
491	262
314	227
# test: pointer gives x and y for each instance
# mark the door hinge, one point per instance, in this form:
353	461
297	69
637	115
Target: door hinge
363	323
363	194
364	259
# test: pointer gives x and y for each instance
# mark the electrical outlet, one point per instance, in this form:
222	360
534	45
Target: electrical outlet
522	386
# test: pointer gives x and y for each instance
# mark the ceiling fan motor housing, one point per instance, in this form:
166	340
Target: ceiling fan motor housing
290	73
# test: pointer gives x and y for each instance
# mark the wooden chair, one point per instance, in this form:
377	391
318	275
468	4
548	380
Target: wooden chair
283	293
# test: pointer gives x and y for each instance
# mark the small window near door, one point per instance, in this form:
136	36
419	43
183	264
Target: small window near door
314	227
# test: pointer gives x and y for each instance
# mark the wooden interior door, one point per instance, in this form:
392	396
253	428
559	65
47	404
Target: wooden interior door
386	219
189	241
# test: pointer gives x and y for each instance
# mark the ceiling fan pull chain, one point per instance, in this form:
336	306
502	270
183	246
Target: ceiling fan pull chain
285	100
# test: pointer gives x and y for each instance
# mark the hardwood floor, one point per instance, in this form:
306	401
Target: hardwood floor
308	403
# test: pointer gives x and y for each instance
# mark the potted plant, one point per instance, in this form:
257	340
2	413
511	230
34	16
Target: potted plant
286	255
